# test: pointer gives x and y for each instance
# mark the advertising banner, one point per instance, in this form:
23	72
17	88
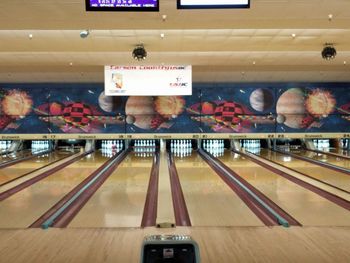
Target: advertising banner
148	80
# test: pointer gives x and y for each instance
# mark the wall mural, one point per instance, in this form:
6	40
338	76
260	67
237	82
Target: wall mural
212	108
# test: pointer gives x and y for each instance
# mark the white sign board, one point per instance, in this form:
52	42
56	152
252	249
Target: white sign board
148	80
213	3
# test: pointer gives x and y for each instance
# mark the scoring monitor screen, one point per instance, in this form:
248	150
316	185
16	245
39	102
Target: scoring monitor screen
122	5
208	4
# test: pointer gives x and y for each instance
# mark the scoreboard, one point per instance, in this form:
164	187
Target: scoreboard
122	5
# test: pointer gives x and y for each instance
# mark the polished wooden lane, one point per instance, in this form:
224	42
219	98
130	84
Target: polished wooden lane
338	151
217	244
19	169
335	178
12	156
210	202
23	208
307	207
165	209
338	161
119	202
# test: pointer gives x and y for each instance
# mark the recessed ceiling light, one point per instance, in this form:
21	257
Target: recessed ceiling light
30	36
294	35
162	35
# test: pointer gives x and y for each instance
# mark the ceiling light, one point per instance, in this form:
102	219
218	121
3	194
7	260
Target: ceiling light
294	35
254	62
30	36
328	52
162	35
70	63
330	17
139	52
164	17
344	62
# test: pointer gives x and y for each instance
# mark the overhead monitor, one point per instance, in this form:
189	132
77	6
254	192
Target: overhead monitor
212	4
122	5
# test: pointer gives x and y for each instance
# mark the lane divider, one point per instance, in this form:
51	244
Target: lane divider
268	212
61	214
149	217
21	186
326	165
327	195
182	217
36	170
13	162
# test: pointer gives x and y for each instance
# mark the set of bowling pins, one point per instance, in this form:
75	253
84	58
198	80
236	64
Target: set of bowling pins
181	148
111	147
40	146
214	147
321	144
144	146
344	143
5	145
252	146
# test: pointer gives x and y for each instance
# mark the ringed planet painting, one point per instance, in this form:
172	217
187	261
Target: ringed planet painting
234	108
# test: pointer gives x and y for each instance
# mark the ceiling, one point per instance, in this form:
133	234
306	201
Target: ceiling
242	45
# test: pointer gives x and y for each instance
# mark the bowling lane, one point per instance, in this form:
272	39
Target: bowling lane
21	168
26	206
12	156
338	161
307	207
210	202
339	151
321	173
119	202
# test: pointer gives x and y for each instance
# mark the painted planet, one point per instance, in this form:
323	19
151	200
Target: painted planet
291	109
140	111
261	99
109	103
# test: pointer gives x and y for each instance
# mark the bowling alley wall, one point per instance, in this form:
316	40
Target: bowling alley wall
212	108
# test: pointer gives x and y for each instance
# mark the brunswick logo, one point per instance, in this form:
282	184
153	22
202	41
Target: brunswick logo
178	83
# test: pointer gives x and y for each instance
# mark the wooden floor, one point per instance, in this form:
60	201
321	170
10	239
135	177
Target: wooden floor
219	245
225	229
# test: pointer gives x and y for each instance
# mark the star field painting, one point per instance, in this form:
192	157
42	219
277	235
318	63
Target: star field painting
212	108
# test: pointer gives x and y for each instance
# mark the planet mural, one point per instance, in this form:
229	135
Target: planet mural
320	103
140	112
261	99
109	103
291	109
169	106
153	112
